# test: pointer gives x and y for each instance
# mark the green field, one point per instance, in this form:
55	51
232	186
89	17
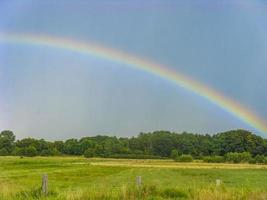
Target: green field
80	178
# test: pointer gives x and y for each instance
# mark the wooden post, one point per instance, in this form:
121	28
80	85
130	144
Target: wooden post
218	182
138	181
45	184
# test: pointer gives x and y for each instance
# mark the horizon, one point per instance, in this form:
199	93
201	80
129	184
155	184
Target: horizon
132	136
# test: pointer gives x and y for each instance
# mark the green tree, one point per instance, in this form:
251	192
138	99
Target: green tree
235	145
59	145
162	143
7	139
30	151
174	154
259	158
86	143
3	152
72	147
238	141
17	151
89	153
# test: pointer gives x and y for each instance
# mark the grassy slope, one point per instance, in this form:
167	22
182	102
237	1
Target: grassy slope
79	178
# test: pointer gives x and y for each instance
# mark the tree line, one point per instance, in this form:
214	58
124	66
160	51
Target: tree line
231	145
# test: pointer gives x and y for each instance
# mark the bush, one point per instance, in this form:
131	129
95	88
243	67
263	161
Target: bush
184	158
50	152
30	151
55	152
234	157
245	156
45	152
259	158
17	151
252	161
89	153
214	159
134	156
3	152
174	154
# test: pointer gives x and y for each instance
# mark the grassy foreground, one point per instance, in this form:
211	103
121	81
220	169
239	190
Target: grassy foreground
80	178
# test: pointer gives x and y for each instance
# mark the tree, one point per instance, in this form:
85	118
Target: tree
30	151
99	150
59	145
49	152
162	143
238	141
17	151
86	143
259	158
26	142
7	139
234	146
72	147
89	153
186	143
174	154
3	152
8	134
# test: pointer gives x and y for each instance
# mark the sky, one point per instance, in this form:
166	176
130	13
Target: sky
57	94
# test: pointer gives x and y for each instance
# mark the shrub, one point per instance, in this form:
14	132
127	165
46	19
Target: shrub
234	157
50	152
252	161
30	151
3	152
259	158
134	156
214	159
184	158
17	151
55	152
45	152
245	156
89	153
174	154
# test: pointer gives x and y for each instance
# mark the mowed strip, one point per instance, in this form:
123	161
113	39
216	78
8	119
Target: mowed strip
171	164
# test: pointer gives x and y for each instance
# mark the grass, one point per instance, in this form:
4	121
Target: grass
77	178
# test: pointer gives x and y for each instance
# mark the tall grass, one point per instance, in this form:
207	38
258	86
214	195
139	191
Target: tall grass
75	178
145	192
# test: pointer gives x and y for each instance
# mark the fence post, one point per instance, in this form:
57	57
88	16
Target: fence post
218	182
138	181
45	184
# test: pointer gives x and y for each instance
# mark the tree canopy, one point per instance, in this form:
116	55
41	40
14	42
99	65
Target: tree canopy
158	144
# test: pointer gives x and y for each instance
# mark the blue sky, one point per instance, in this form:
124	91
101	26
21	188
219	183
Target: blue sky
55	94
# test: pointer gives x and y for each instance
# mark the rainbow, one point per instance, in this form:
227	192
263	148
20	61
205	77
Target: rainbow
148	66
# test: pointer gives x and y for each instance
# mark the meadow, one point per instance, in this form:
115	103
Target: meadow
78	178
